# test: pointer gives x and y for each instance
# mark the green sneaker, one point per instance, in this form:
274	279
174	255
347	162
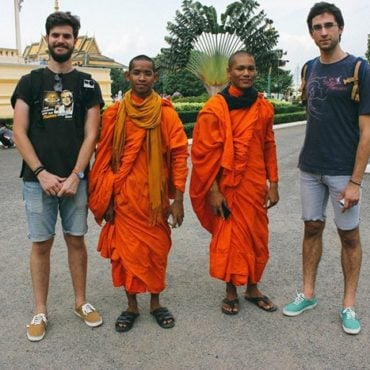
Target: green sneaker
299	305
350	323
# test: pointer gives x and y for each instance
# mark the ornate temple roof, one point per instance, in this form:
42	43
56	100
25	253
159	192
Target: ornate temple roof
86	54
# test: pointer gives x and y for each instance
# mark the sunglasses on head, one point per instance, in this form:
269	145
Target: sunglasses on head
58	86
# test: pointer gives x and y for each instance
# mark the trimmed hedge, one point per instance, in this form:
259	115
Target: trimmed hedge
279	119
188	128
191	99
289	117
186	107
187	117
279	109
188	111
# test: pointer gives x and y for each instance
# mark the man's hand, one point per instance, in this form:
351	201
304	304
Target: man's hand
69	186
51	184
350	196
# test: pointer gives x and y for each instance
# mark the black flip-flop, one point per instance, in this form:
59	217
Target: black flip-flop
233	304
265	299
164	317
125	321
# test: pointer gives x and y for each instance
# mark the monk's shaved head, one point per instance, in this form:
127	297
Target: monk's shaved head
141	57
231	60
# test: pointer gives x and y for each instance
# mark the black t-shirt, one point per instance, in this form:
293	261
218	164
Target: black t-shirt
57	118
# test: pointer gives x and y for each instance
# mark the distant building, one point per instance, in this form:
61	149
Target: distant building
9	55
86	54
86	57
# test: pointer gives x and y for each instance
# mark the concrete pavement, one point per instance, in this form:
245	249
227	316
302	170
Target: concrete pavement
203	338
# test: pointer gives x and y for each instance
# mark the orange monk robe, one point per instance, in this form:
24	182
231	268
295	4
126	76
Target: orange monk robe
138	251
238	148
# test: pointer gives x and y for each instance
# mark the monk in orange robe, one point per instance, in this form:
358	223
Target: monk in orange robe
235	180
141	163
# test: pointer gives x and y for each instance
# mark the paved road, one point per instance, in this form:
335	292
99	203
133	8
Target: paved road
203	338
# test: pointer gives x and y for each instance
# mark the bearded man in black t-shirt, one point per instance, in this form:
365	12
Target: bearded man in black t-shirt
56	146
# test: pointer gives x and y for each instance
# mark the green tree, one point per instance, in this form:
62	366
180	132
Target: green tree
202	45
179	80
280	81
184	82
368	48
119	82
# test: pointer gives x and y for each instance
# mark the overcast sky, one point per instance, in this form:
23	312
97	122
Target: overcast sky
125	28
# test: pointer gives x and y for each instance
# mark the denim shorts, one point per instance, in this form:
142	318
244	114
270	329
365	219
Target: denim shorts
315	192
42	211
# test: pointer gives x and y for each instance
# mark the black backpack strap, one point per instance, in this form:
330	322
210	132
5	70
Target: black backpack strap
37	82
84	79
82	96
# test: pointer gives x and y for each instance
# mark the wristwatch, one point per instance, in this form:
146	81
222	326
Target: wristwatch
80	174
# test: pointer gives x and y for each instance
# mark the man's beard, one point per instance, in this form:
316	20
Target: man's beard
60	58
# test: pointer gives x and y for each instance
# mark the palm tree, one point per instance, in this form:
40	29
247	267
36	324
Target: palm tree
202	45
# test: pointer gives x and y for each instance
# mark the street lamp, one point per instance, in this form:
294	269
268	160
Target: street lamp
276	57
269	83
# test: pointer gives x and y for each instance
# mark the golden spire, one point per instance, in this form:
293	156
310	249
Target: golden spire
56	6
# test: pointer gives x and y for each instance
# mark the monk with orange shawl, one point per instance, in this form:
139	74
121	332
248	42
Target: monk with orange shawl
234	181
140	164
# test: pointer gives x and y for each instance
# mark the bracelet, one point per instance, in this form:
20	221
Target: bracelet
38	170
356	183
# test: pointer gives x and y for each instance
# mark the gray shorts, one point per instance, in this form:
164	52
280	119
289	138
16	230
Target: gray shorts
315	192
42	211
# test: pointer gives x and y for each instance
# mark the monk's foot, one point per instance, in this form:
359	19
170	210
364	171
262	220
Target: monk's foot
255	296
125	321
163	316
230	306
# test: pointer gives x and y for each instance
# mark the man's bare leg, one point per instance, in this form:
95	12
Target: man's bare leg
77	260
351	264
40	273
312	251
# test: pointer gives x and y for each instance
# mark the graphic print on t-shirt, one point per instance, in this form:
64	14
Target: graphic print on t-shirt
319	89
57	104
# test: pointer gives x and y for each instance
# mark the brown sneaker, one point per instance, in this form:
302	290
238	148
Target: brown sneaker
89	315
37	328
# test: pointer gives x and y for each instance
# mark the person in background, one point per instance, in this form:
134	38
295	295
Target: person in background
6	136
